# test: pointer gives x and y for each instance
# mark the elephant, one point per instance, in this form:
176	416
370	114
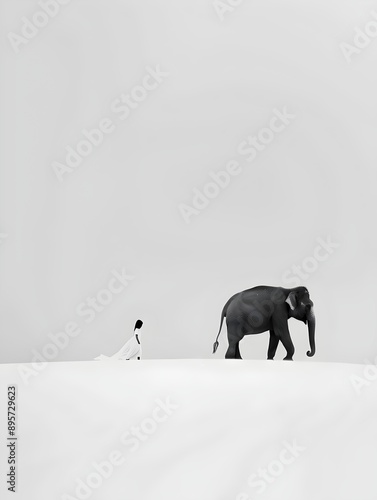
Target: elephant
266	308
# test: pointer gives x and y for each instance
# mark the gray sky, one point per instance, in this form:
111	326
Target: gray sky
269	94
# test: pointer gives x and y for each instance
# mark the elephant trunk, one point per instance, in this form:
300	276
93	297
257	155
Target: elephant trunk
311	329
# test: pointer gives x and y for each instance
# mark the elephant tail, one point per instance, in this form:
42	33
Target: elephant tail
223	314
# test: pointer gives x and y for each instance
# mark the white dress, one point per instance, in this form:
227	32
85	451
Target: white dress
130	350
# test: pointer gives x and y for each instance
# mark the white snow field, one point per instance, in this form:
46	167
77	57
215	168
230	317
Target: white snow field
193	430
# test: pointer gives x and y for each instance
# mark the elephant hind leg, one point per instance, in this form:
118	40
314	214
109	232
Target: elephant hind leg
238	354
235	334
231	352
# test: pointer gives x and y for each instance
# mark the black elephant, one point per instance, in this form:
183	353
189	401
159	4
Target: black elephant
267	308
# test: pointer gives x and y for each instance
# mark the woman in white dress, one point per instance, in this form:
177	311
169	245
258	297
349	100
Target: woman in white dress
130	350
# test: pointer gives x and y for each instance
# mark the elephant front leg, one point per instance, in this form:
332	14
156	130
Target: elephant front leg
274	341
283	334
288	344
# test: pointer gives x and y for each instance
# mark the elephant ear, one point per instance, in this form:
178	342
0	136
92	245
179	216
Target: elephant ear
292	300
